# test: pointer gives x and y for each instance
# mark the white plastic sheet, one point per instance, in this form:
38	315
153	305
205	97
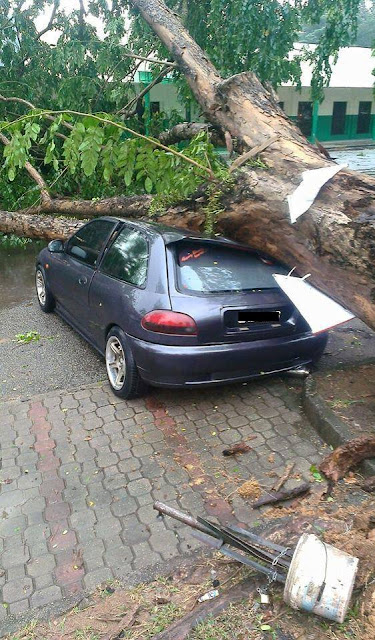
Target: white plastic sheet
312	181
319	311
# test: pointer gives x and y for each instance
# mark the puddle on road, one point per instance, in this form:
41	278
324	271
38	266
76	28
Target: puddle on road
362	160
17	267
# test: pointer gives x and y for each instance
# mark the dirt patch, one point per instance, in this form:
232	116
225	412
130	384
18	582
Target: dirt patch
351	395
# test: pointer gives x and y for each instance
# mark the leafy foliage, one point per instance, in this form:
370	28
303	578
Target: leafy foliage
76	59
239	35
99	151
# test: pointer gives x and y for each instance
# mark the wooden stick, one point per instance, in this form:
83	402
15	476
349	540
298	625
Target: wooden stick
181	629
280	496
126	621
277	486
253	152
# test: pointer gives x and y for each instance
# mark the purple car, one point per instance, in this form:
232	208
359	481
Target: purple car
171	308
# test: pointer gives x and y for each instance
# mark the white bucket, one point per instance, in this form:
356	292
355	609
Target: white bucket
320	578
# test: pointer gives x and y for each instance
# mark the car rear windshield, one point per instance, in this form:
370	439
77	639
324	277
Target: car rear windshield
214	268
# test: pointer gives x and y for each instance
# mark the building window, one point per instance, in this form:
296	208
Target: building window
304	117
154	107
338	118
364	117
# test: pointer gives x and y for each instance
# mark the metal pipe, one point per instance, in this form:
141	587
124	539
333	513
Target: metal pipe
182	517
300	372
259	540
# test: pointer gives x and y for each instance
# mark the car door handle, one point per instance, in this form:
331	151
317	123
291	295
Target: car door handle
82	280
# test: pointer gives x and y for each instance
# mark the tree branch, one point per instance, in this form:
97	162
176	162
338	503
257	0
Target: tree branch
125	110
28	104
151	60
33	173
51	20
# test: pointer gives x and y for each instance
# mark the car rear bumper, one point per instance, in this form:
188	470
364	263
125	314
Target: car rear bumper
181	366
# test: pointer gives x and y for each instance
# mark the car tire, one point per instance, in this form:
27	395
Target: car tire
122	371
45	297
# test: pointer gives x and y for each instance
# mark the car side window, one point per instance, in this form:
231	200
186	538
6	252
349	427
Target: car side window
88	242
127	258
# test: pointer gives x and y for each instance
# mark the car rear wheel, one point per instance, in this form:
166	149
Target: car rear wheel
45	297
122	370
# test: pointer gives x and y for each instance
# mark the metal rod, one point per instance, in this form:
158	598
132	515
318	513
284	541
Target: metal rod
259	540
229	538
240	558
182	517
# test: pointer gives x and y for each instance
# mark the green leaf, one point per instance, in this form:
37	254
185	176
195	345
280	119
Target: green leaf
315	473
148	185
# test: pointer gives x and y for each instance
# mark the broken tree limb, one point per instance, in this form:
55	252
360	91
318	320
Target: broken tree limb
238	162
280	483
180	629
348	455
281	496
188	130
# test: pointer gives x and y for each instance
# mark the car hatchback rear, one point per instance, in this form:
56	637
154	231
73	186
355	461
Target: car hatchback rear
234	321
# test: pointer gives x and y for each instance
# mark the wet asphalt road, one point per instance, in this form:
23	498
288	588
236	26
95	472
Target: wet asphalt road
61	359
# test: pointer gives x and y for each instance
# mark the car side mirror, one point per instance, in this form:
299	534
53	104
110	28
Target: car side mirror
56	246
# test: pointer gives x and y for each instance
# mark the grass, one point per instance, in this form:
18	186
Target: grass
25	338
27	633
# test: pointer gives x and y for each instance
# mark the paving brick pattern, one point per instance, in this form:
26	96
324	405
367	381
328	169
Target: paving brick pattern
80	470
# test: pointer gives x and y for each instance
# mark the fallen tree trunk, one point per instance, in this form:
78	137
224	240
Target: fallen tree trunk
38	226
128	206
335	239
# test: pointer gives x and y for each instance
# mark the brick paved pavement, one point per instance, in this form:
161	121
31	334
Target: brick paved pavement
80	471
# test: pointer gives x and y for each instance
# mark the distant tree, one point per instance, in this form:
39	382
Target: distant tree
365	36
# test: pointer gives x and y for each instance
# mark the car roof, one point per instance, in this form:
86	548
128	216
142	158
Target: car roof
173	234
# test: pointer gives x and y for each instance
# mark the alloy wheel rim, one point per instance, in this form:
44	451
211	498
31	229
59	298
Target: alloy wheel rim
40	287
115	362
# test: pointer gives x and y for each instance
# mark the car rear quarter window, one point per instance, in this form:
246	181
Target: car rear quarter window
214	268
127	258
88	242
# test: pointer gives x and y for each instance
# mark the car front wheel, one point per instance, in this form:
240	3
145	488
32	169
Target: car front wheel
45	297
122	370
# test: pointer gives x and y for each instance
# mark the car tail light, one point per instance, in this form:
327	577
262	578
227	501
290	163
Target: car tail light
171	322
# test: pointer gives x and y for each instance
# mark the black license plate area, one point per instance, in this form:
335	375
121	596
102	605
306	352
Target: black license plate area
247	317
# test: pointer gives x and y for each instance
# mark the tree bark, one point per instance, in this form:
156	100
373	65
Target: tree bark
37	226
335	239
188	130
348	455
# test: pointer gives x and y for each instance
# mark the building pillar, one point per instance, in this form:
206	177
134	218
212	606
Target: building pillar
147	110
315	115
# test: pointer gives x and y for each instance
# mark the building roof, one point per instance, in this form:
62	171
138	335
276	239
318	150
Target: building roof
353	68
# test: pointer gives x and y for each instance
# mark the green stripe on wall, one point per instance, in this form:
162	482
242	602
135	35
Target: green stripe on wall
325	123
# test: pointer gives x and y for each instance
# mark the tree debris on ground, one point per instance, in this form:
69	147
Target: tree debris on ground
250	489
281	496
239	447
345	457
281	481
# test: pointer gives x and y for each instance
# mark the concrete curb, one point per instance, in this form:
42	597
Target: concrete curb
329	426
